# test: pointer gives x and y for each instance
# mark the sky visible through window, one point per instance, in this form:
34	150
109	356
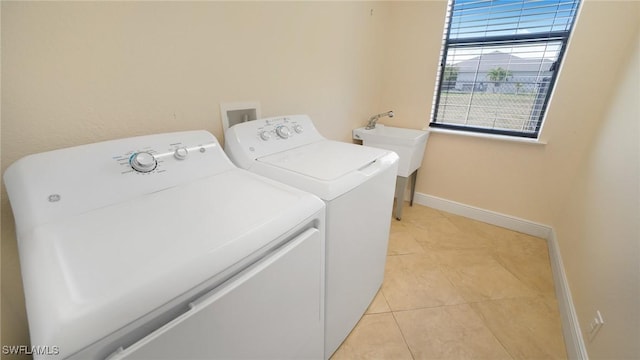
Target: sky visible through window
473	19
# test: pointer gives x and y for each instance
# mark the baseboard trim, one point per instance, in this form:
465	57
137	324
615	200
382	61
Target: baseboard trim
490	217
574	341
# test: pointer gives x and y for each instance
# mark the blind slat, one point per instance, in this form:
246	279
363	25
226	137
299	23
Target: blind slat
474	18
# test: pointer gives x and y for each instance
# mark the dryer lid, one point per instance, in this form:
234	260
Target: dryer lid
89	275
325	160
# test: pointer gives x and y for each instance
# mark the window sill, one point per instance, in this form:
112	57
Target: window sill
487	136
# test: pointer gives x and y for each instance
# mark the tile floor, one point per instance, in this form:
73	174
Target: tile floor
456	288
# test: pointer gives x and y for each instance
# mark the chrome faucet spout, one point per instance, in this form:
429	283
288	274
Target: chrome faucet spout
374	119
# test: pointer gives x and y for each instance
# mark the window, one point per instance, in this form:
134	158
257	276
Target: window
499	63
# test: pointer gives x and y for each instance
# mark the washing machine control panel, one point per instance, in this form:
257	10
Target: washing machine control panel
77	179
254	139
280	128
159	158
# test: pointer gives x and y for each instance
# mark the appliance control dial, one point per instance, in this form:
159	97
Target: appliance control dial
283	131
265	135
143	162
298	129
181	153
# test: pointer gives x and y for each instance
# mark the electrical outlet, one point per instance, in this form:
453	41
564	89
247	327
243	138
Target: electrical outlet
595	325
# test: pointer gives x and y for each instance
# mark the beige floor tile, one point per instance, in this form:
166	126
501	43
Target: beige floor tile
534	273
459	288
418	213
376	336
403	243
529	328
397	226
416	281
522	244
448	332
455	258
435	226
435	234
480	229
527	257
378	305
486	281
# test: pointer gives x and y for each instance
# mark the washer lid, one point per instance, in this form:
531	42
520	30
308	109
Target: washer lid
325	160
88	275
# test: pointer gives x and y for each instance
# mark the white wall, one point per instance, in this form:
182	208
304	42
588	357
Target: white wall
599	229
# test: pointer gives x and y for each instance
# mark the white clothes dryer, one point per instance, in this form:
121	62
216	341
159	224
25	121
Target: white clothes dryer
357	184
159	247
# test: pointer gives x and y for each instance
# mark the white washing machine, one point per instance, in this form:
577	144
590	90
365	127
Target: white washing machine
357	184
158	247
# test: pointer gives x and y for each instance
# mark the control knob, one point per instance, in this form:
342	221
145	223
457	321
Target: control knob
181	153
283	131
143	162
298	128
264	135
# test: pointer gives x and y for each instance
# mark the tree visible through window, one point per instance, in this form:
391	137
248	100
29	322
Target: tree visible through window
499	63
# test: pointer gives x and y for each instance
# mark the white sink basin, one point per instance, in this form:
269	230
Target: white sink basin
409	144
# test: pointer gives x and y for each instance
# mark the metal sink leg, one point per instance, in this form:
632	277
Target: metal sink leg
401	184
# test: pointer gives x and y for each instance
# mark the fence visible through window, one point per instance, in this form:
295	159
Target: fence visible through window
508	105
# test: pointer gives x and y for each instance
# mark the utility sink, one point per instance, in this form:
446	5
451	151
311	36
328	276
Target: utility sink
409	144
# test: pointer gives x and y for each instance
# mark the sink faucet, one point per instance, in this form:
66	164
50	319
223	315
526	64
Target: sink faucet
374	119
